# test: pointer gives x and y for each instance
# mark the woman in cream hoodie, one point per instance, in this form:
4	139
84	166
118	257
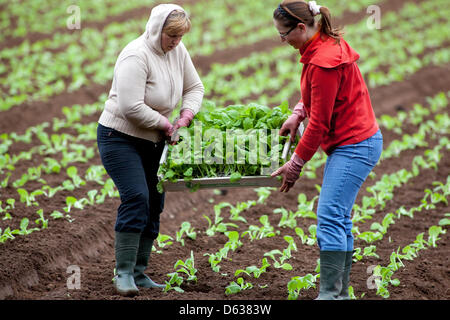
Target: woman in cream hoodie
153	73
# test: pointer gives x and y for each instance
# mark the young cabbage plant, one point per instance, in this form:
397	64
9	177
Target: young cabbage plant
296	284
288	218
72	172
263	193
174	282
72	202
279	263
370	236
41	220
187	267
50	192
367	252
59	215
163	241
305	207
254	270
309	240
387	221
186	229
265	231
218	225
232	244
96	173
235	211
238	286
445	221
24	228
434	232
6	235
29	198
4	182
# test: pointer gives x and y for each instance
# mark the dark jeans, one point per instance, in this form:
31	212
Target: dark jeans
132	163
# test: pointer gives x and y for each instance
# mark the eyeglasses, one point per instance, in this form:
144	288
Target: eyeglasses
284	35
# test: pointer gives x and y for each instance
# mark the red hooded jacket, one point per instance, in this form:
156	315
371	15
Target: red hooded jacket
335	97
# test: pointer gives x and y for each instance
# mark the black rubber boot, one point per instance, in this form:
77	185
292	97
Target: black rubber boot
143	254
346	276
126	247
331	272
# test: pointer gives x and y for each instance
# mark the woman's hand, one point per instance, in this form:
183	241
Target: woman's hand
186	117
167	127
290	172
291	124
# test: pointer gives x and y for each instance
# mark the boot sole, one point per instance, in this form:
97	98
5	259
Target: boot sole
130	293
151	286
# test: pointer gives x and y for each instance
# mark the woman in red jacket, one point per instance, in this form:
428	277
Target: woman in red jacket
341	121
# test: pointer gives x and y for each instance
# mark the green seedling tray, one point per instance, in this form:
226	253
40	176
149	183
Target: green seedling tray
224	182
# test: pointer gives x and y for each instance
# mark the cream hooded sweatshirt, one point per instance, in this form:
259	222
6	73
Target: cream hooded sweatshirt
148	83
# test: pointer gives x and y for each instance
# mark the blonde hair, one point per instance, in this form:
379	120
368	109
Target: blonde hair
177	23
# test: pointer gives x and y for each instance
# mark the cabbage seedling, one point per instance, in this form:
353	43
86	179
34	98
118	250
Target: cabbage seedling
238	286
41	219
300	283
186	229
164	240
187	267
254	269
174	282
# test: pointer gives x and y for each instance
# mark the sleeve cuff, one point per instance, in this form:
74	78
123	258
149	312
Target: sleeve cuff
304	152
187	113
163	123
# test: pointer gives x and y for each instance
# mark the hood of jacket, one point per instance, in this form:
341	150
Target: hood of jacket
323	51
155	24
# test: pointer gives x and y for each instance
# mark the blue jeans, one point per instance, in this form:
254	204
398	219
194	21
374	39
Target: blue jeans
346	169
132	163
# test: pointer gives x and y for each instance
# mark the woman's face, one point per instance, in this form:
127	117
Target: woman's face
169	42
295	36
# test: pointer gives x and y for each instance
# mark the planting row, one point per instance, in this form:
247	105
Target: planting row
69	61
254	77
74	150
279	259
20	18
46	141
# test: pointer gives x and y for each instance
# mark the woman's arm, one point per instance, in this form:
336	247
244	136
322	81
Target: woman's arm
193	89
131	77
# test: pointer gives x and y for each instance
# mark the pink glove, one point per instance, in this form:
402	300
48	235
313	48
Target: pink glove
292	123
167	126
290	171
186	117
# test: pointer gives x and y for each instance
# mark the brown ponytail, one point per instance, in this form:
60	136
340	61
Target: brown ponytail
290	12
325	26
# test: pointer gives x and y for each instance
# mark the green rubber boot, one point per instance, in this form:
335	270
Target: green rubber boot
331	273
346	276
143	254
126	247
